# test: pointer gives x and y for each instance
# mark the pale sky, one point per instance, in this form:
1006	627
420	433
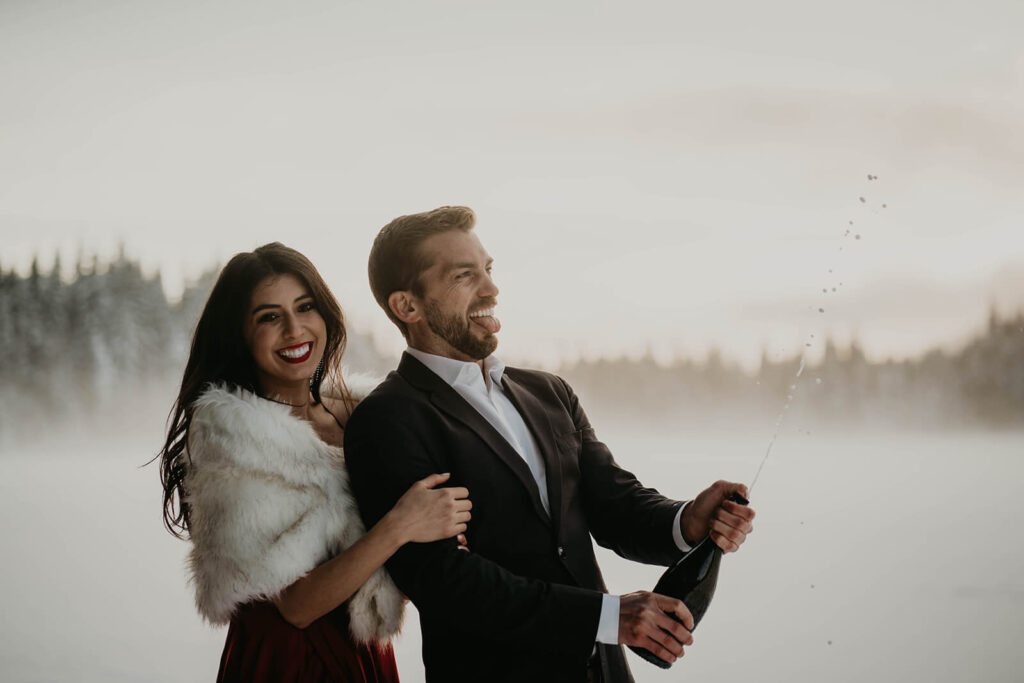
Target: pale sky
672	174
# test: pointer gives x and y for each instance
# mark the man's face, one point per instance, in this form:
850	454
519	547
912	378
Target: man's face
458	299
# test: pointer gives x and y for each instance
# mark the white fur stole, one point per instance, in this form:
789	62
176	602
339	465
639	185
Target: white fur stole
269	501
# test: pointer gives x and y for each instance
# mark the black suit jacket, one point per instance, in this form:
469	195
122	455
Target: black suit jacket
523	604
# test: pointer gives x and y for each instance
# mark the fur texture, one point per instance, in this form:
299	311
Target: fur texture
270	501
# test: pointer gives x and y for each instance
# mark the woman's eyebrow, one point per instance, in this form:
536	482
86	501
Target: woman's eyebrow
262	307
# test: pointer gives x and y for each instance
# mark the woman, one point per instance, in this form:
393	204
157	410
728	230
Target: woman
254	476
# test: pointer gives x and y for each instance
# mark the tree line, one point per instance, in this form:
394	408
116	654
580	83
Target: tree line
982	384
109	330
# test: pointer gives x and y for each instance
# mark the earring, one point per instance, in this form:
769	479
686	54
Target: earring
318	374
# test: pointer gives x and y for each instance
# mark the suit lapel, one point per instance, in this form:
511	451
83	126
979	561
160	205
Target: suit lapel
449	402
536	417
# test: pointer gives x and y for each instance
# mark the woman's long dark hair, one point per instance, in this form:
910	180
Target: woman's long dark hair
219	354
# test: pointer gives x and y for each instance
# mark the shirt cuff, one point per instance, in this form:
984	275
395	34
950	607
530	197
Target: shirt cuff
608	624
677	530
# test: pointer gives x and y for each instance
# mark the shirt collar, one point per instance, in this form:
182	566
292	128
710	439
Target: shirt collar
458	372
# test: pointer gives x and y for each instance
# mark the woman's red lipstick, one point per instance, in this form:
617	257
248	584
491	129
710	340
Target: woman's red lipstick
287	354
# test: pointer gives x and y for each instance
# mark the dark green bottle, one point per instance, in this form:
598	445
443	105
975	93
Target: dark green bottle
692	579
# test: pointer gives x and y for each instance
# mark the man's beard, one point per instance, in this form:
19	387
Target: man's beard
455	330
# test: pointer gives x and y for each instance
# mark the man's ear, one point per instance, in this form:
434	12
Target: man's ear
405	307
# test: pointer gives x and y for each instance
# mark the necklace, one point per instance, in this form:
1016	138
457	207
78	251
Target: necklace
286	403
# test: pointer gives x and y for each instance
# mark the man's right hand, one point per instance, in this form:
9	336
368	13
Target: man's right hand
643	622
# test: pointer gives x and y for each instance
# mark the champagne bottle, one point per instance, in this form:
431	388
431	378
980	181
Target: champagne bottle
692	579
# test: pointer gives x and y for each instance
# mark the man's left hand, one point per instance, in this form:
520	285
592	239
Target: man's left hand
713	513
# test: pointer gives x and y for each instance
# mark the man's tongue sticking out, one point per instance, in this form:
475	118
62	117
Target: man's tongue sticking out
488	322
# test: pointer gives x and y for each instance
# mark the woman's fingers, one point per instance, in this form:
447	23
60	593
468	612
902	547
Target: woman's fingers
433	480
457	492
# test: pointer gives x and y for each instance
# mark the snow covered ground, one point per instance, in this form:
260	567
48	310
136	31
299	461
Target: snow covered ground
875	557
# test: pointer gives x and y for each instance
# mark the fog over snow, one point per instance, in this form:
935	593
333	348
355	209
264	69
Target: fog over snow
875	556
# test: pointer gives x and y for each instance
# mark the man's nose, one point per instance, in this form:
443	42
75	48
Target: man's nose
489	289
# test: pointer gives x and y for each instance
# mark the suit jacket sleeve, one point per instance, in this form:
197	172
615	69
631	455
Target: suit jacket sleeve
625	516
385	456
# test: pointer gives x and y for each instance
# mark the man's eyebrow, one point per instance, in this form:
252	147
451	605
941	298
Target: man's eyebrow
465	264
263	307
459	266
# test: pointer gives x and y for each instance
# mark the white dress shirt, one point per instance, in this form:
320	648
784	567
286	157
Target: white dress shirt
483	391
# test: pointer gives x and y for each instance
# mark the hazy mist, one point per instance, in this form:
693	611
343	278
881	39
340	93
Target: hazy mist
684	201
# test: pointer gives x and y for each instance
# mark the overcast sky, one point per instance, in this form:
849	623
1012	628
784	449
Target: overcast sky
673	174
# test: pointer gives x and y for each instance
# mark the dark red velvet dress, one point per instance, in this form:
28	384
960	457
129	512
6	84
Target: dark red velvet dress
264	648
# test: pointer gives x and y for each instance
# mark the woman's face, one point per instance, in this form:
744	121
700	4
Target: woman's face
284	332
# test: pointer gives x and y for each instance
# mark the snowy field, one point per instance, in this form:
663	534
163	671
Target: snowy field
875	558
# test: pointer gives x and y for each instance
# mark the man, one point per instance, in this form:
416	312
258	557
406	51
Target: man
527	603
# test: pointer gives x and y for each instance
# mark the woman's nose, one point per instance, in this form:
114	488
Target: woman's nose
291	325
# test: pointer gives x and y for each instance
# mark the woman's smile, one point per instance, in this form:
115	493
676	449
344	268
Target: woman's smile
299	353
